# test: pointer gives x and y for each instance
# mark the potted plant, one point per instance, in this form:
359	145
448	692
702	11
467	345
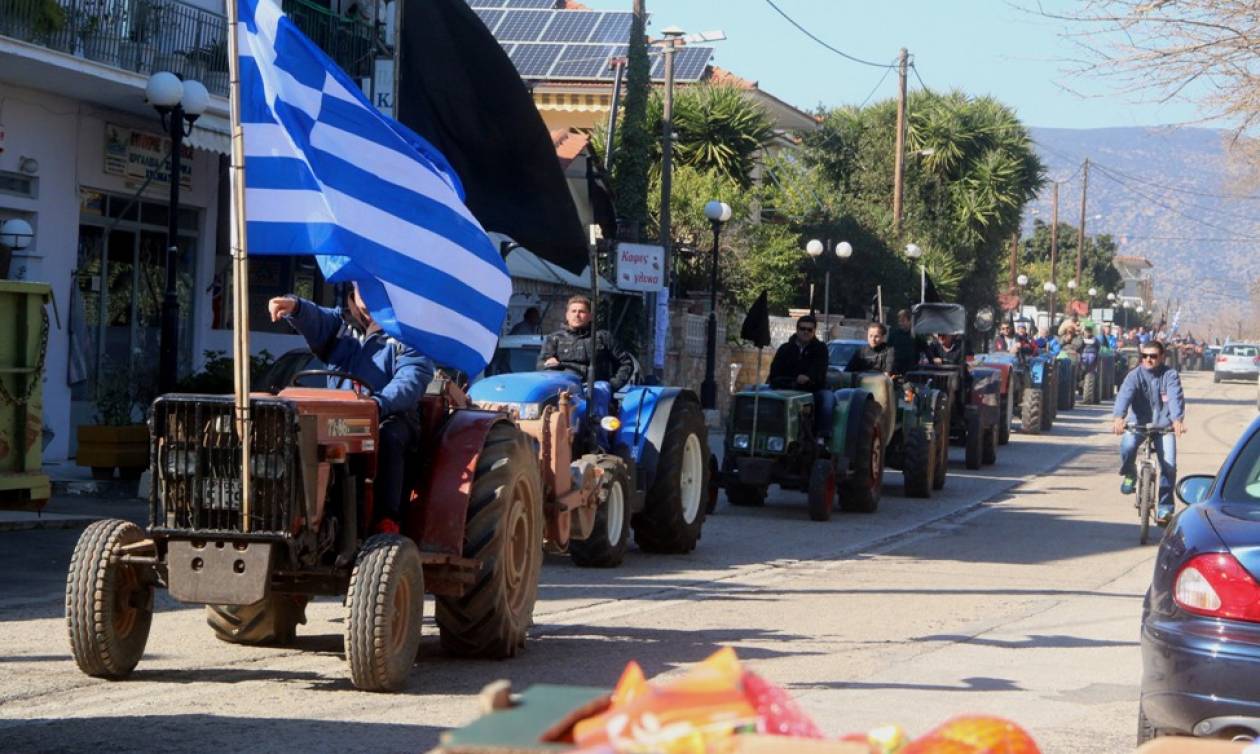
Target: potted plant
39	21
116	440
96	33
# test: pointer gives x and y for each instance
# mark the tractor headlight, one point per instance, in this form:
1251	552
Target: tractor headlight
775	444
528	411
741	442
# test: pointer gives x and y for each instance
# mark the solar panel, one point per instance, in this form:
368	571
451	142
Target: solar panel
534	60
485	3
690	62
613	28
507	48
582	61
489	17
571	26
544	4
523	25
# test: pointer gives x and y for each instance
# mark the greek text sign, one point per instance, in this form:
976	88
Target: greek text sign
640	267
137	155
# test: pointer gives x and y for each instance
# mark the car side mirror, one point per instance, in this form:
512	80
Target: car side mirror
1194	488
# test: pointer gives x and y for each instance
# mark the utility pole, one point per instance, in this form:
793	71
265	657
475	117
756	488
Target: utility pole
669	44
1054	250
1014	260
1080	232
619	67
899	159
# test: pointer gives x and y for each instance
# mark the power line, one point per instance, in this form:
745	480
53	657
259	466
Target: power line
882	79
1174	210
811	35
915	68
1113	176
1178	189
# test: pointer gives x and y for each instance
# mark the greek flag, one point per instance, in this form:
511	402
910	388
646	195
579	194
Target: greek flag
327	174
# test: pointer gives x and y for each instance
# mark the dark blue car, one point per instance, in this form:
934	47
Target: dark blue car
1201	617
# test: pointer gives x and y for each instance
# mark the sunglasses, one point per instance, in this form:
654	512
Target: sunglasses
1151	356
804	329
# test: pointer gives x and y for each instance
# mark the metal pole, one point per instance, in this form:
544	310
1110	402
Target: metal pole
240	267
619	67
708	388
827	296
667	180
168	355
1080	232
1054	252
879	302
922	283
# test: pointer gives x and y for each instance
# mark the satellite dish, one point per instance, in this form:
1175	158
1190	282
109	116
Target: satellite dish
984	319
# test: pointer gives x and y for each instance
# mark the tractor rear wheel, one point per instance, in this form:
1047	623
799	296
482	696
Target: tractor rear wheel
109	605
822	489
988	448
1031	412
504	532
606	547
745	495
384	611
975	440
918	470
671	521
860	492
1006	417
1089	391
940	421
271	620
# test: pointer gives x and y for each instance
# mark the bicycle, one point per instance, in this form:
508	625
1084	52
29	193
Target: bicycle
1147	474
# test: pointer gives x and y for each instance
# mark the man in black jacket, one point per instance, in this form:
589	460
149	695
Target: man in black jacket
570	349
801	364
876	355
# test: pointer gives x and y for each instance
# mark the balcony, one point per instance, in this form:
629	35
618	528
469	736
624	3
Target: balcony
168	35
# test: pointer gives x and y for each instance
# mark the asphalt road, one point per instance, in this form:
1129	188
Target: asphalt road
1015	592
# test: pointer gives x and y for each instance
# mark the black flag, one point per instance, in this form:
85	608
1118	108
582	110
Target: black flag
458	89
756	325
930	295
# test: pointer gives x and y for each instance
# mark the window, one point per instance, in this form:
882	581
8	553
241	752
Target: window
1249	351
19	184
1242	481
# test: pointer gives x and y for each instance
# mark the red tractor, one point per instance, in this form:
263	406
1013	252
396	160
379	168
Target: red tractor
472	537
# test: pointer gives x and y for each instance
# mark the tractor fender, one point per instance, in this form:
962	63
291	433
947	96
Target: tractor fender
439	503
846	422
644	418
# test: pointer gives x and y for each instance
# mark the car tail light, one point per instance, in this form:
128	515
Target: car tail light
1217	585
1256	360
1221	359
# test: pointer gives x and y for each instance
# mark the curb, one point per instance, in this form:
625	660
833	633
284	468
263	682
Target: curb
47	522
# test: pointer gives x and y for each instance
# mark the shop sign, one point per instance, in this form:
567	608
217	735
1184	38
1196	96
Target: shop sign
137	156
640	267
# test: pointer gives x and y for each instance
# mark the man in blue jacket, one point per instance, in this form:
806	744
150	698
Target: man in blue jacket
1151	395
397	375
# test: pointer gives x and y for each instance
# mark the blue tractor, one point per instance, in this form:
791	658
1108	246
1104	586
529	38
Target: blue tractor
634	461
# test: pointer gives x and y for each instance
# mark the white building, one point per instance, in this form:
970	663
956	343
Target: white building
82	159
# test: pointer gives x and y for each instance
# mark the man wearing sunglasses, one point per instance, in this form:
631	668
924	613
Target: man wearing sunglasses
801	364
1151	395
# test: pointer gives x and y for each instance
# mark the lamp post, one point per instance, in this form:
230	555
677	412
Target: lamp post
718	213
816	250
1092	292
914	252
1021	281
1052	297
179	104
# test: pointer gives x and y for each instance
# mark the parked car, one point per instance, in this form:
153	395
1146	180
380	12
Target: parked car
1201	617
1237	361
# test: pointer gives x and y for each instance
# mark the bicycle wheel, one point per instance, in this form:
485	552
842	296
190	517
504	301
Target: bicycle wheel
1146	500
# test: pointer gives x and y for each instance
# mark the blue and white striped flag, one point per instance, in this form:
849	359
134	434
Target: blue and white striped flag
328	174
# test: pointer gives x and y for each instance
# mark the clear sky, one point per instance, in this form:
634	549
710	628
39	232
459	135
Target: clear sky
980	46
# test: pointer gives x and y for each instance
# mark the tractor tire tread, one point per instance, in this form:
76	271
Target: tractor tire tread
382	563
858	492
660	526
93	574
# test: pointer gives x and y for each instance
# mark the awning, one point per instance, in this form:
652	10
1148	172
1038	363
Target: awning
524	264
211	133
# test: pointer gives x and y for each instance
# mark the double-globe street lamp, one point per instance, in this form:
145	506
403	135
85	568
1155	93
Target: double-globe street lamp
815	249
1022	282
179	104
718	213
914	252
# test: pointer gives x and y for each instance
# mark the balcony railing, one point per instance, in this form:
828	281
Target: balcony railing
168	35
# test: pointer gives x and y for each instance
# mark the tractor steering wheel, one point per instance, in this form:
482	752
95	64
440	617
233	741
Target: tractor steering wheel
363	388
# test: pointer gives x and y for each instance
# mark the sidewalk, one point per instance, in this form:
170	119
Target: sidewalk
74	512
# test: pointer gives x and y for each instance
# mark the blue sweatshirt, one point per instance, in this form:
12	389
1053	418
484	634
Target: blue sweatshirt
1151	396
397	373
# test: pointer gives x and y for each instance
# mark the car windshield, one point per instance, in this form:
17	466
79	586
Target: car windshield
840	354
510	360
1242	481
1241	351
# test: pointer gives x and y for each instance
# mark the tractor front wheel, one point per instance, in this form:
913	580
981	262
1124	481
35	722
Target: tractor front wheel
860	492
109	604
988	449
822	489
918	471
674	514
1004	421
504	532
1031	412
271	620
940	420
975	439
384	610
606	547
1089	390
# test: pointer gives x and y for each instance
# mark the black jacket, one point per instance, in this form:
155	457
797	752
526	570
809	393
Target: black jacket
573	349
955	355
791	360
869	359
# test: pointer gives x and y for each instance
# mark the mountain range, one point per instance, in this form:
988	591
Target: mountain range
1171	195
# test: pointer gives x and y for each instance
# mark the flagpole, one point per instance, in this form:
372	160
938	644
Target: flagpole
240	266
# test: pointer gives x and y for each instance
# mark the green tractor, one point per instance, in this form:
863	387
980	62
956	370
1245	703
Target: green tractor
770	439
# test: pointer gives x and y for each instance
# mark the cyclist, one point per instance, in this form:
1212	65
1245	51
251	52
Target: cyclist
1151	396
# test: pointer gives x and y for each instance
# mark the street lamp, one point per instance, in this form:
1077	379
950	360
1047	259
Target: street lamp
914	252
15	235
179	104
1051	299
718	213
1021	281
1092	292
816	249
